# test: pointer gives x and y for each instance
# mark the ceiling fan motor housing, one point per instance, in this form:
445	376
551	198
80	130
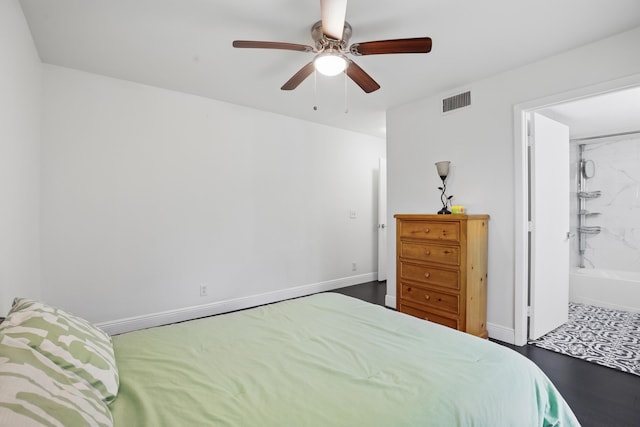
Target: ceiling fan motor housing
324	42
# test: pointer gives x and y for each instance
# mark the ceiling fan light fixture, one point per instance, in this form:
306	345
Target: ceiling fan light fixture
330	63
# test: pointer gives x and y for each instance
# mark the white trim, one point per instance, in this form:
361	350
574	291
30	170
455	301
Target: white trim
187	313
521	285
521	231
500	333
390	301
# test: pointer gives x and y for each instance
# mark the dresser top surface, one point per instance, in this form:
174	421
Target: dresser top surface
433	217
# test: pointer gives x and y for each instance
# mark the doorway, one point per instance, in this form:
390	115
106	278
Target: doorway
525	264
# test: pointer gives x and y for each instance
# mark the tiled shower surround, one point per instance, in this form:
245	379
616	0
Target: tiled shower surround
617	177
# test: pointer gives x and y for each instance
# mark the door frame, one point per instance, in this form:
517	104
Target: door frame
382	219
521	187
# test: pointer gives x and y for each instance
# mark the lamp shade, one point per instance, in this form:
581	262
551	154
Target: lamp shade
330	63
443	168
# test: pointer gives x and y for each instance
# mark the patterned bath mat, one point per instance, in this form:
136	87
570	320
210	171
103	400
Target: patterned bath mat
599	335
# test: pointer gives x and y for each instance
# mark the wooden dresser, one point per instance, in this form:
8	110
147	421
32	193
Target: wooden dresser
441	268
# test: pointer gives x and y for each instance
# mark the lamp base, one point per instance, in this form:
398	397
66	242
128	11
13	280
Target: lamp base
444	211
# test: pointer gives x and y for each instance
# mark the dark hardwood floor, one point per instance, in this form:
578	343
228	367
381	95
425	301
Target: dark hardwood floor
372	292
599	396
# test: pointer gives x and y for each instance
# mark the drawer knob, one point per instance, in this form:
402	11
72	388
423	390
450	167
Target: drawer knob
427	252
427	275
426	297
426	230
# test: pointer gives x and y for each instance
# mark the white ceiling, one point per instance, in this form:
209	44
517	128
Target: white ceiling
606	114
185	45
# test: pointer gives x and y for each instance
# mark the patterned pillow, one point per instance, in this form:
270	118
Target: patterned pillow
34	391
69	341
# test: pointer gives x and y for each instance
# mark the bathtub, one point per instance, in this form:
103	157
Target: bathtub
605	288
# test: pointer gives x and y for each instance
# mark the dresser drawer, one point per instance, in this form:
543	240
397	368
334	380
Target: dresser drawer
427	315
429	275
433	253
447	231
431	298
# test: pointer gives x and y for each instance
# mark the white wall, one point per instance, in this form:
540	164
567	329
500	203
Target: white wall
479	141
20	86
148	193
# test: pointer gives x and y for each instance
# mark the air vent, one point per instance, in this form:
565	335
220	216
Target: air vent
456	101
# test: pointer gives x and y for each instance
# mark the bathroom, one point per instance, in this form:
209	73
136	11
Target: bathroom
605	198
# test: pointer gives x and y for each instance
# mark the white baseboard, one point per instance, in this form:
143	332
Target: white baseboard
150	320
390	301
501	333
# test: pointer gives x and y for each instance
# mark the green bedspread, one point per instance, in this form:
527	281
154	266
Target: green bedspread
326	360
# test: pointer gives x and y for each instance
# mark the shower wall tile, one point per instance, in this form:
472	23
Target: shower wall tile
617	176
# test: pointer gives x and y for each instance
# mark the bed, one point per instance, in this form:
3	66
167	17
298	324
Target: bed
322	360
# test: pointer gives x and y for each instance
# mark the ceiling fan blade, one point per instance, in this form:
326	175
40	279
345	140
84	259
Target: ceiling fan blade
271	45
361	78
333	15
298	77
415	45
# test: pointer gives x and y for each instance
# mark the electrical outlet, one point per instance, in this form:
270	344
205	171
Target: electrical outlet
354	266
204	291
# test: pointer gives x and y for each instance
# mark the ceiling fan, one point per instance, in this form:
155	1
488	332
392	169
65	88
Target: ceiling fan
331	36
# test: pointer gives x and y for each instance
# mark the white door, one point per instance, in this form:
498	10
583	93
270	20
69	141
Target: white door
382	220
549	210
